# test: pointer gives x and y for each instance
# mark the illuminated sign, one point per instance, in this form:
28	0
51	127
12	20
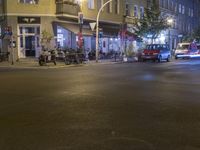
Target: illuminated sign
29	20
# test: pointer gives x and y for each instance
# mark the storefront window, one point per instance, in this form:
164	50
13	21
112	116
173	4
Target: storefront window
38	41
21	41
30	30
38	30
21	30
29	1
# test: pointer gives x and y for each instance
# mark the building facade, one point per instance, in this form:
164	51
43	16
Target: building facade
133	10
185	18
66	20
182	16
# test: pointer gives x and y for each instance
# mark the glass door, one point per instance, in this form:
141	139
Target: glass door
29	41
30	46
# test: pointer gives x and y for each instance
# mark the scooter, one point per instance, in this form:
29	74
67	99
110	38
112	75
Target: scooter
47	57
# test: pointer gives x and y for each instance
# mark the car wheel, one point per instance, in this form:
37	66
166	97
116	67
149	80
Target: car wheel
160	59
168	59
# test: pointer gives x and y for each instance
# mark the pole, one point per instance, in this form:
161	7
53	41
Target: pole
12	49
80	20
169	39
97	29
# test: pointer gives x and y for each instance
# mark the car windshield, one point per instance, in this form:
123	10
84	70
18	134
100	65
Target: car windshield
156	47
182	47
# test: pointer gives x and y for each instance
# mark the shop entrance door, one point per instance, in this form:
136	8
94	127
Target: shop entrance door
29	41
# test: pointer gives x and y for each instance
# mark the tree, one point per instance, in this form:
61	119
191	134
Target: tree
46	39
196	34
151	24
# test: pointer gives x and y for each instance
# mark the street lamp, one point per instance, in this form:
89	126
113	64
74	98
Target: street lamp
170	22
97	28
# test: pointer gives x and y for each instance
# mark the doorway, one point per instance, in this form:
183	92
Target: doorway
29	41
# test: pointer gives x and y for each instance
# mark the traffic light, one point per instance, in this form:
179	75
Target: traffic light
80	18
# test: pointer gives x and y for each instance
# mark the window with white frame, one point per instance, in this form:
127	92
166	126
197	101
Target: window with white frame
168	4
189	27
183	9
29	1
117	6
180	8
136	11
110	7
127	11
91	4
175	7
189	11
192	12
172	5
141	12
99	4
162	3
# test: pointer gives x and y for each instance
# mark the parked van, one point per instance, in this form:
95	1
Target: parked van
187	50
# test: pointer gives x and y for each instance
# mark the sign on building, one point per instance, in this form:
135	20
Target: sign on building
29	20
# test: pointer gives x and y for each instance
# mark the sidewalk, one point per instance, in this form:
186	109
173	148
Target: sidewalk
33	63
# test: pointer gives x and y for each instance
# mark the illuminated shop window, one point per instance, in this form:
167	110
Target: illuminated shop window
29	1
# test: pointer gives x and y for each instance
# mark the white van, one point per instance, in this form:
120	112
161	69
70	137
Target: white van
184	50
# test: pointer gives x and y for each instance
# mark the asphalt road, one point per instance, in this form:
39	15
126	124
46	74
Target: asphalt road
136	106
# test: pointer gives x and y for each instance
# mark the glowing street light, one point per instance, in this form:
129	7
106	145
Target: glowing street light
170	23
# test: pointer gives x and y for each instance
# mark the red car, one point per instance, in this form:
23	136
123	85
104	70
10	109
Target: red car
157	52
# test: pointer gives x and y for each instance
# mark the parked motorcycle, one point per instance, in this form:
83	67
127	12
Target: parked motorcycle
47	57
73	56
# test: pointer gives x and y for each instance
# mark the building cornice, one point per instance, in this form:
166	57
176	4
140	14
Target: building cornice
59	15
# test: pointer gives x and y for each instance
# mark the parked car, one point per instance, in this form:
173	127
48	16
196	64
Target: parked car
187	50
156	52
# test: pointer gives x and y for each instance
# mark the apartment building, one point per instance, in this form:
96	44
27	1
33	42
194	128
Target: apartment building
134	10
185	18
65	20
182	16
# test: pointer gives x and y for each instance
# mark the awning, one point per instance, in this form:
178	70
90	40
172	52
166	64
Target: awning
75	28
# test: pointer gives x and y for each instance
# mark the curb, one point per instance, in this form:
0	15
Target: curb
35	66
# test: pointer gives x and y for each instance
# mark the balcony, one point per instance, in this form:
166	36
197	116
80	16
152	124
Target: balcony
130	19
67	7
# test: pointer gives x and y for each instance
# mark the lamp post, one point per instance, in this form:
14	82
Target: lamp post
170	22
97	29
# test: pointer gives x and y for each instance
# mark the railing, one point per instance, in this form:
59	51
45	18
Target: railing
65	7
